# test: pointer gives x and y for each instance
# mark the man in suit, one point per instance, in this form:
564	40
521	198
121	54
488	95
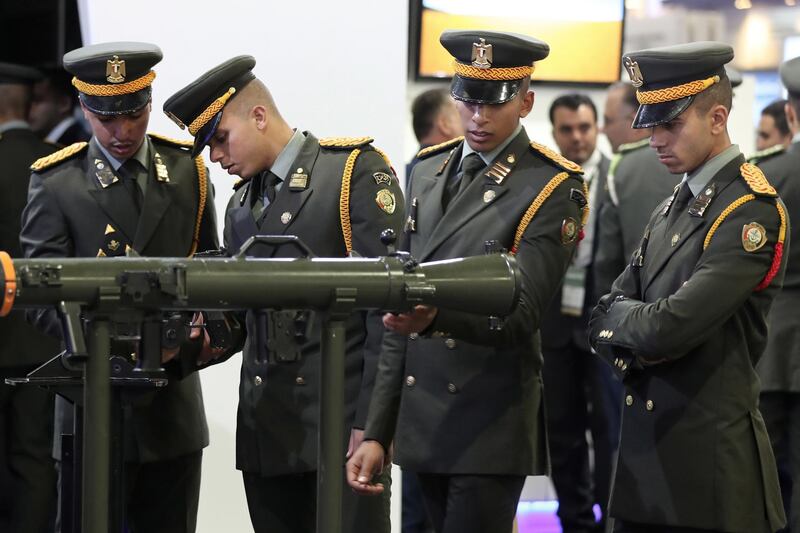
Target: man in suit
52	110
636	183
686	322
779	369
434	119
580	393
337	195
464	390
27	470
127	190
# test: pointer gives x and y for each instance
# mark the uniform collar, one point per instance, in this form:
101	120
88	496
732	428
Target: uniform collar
702	175
283	163
488	157
141	155
590	165
14	125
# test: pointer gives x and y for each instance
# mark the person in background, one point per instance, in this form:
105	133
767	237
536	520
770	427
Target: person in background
435	120
580	391
773	135
52	113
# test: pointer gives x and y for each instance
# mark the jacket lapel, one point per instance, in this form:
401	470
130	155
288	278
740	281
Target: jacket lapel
485	190
669	241
105	186
156	200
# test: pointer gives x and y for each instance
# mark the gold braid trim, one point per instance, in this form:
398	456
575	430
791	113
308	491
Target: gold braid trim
436	148
727	211
385	158
171	140
344	142
585	209
669	94
202	181
782	215
56	157
115	90
756	180
543	195
500	73
344	201
210	111
557	158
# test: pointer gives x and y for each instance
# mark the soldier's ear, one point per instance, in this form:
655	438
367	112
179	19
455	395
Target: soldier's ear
260	116
527	104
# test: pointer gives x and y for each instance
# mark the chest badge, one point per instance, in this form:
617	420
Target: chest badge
754	236
675	238
488	196
105	176
298	181
162	174
286	217
386	201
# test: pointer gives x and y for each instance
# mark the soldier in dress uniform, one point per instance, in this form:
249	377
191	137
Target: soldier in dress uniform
337	195
461	393
779	369
127	190
686	321
27	470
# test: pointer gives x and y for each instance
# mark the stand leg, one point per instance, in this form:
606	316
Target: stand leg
96	430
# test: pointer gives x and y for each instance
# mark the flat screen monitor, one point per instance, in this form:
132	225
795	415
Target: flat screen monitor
585	36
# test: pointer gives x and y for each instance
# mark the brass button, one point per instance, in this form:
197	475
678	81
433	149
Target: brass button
257	380
628	400
450	343
413	336
410	381
649	405
300	380
451	388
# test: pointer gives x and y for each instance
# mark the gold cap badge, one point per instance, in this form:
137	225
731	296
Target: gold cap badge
634	72
115	70
482	54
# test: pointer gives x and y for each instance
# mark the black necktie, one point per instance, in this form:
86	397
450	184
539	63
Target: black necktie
679	204
128	172
269	184
458	183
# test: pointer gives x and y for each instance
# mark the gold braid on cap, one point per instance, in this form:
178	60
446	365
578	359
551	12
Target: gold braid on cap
115	90
210	111
500	73
668	94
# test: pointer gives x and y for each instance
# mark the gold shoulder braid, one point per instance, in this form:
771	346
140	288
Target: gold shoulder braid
556	158
543	195
344	201
436	148
57	157
170	140
756	180
344	143
202	181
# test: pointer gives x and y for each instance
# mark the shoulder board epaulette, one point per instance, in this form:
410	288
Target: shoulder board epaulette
756	180
437	148
766	153
629	147
57	157
556	158
344	143
169	140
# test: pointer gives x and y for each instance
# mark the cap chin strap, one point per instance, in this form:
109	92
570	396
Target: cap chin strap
668	94
115	90
496	74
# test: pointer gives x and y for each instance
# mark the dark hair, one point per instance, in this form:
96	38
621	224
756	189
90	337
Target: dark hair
425	108
61	83
572	101
777	110
719	93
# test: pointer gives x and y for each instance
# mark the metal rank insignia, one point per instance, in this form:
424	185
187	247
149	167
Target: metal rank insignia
569	230
298	181
162	174
482	54
115	70
382	178
411	220
386	201
104	173
499	171
675	238
634	72
700	203
444	163
754	236
665	211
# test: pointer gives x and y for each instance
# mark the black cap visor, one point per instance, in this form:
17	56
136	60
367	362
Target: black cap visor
650	115
484	91
117	105
205	133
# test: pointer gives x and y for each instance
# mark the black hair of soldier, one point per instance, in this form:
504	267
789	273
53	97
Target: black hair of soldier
572	101
777	110
425	108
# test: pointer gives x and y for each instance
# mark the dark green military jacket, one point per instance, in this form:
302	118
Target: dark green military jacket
22	347
279	394
779	369
637	182
76	209
466	398
684	326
